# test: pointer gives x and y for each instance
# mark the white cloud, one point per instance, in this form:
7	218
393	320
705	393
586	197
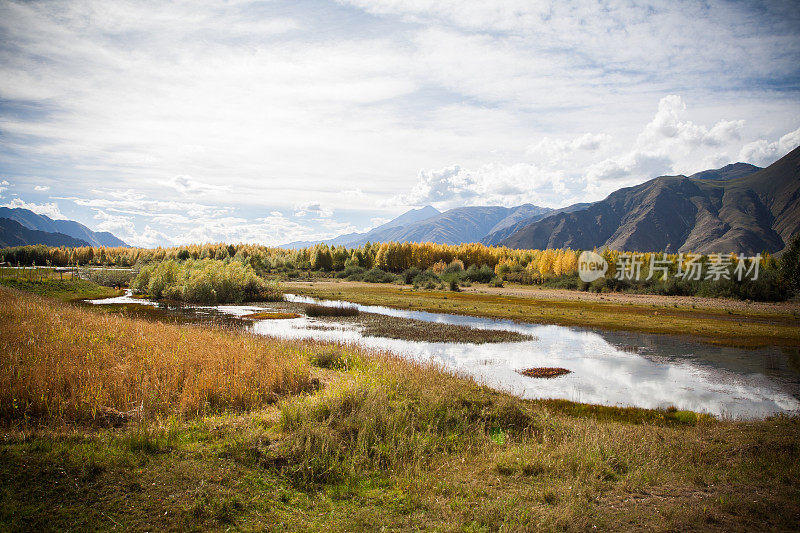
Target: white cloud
763	152
3	187
189	185
120	225
667	128
48	209
588	166
41	188
197	112
313	209
554	151
637	165
490	184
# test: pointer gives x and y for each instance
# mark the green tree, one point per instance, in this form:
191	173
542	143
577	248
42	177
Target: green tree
790	266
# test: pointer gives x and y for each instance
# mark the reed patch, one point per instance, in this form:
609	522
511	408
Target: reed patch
64	362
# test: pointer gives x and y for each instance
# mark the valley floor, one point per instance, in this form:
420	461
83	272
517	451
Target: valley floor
307	436
715	320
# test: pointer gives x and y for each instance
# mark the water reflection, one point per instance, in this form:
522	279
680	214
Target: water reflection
611	368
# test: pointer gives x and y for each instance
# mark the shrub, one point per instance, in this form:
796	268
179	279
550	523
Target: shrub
376	275
334	359
108	277
564	281
426	279
204	281
409	274
523	276
351	273
455	266
483	274
496	282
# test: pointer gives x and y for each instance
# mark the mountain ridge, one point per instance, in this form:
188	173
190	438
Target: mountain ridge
739	208
71	228
12	233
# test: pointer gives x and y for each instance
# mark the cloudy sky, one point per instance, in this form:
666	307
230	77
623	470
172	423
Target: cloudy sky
272	121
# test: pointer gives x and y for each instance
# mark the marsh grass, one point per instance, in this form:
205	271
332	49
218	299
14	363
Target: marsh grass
68	289
393	421
544	372
386	444
315	310
377	325
64	362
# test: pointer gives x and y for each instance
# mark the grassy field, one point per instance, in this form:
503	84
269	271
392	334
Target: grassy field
66	290
728	326
344	439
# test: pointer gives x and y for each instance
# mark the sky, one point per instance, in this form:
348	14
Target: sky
269	122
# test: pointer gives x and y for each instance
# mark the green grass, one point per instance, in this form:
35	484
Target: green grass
65	290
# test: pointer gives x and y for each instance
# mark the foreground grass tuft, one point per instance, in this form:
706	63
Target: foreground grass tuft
392	424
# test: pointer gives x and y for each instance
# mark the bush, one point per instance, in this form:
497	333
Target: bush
334	359
409	274
456	266
351	273
426	279
496	282
484	274
108	277
564	281
204	281
524	276
376	275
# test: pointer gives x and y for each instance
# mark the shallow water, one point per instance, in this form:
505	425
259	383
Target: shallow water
608	367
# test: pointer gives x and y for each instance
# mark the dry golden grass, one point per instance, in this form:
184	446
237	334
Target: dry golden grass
62	362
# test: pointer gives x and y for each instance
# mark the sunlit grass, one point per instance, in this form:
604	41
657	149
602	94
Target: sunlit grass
63	362
67	289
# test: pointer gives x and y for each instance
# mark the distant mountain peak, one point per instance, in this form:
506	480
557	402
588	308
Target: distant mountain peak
728	172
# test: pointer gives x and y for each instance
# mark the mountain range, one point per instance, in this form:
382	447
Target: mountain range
42	229
738	208
12	233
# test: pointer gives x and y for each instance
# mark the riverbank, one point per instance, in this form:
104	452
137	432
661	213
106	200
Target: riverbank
373	442
64	290
716	321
